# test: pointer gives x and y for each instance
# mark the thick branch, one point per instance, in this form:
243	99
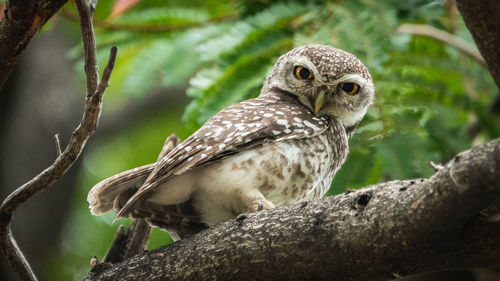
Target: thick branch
391	229
63	162
481	18
21	20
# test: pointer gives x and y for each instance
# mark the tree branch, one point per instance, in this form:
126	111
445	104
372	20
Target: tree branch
65	160
443	36
379	232
85	12
481	18
21	20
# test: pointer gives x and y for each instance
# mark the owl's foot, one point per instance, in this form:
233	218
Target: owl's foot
264	205
255	201
260	206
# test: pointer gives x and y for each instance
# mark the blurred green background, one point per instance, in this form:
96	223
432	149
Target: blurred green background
180	62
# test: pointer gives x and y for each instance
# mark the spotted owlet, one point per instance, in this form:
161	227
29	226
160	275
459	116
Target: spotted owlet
282	147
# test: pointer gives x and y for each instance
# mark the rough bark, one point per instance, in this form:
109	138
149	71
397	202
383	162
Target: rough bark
481	18
379	232
21	20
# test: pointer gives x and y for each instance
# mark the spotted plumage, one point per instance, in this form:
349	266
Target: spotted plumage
282	147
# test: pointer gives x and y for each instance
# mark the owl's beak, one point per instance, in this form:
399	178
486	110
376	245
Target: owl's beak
319	101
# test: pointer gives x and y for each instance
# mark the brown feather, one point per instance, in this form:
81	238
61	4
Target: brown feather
251	122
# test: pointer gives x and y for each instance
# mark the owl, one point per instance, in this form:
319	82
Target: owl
279	148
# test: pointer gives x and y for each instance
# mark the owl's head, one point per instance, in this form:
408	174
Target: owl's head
327	80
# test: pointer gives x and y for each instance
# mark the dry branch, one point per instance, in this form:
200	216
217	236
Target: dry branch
21	20
379	232
64	161
443	36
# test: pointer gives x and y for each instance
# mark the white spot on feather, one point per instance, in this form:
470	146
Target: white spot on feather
311	125
283	122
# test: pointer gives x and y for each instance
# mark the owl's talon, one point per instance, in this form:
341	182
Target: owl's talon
259	206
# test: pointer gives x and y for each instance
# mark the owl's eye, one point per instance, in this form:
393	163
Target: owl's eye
349	88
302	73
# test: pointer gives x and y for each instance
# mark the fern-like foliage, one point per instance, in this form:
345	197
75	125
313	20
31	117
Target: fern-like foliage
428	94
239	60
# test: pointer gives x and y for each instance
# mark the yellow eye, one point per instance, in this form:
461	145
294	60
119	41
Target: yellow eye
302	73
349	88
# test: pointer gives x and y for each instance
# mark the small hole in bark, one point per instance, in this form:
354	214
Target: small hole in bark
403	188
457	158
364	199
412	182
241	217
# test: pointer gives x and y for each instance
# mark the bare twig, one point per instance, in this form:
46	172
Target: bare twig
85	12
443	36
93	262
435	167
128	243
58	145
115	251
65	160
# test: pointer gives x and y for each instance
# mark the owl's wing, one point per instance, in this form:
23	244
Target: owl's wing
243	125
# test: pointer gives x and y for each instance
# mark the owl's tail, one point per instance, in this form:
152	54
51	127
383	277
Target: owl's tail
113	192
